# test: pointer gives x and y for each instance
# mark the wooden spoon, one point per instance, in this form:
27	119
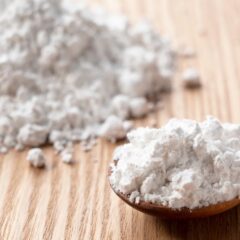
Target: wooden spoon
183	213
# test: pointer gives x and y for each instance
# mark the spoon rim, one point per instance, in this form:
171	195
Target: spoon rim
184	212
183	209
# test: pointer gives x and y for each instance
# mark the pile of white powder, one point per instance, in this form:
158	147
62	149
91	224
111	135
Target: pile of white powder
183	164
71	75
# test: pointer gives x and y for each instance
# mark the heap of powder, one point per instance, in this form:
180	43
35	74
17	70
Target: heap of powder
191	78
64	72
183	164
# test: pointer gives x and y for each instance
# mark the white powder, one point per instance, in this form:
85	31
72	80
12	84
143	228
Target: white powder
36	158
183	164
67	153
63	72
191	78
113	128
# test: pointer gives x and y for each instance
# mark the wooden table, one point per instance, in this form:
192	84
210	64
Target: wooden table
75	202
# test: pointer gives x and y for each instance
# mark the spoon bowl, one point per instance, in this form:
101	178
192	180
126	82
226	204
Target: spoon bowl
183	213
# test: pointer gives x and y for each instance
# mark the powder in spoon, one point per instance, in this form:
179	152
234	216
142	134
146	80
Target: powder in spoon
183	164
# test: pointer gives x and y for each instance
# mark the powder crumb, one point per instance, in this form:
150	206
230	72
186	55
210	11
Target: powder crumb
139	107
167	165
59	146
67	154
137	200
191	78
66	157
113	129
36	158
133	196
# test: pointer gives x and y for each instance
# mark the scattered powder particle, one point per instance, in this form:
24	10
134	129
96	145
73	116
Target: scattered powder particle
113	128
66	156
67	153
88	144
36	157
139	107
69	73
183	164
191	78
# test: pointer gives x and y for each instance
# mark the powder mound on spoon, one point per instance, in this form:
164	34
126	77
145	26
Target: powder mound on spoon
183	164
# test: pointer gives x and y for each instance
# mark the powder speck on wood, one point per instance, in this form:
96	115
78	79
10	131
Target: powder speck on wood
183	164
191	78
36	157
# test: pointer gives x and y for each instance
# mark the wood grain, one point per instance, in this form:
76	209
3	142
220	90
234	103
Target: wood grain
75	202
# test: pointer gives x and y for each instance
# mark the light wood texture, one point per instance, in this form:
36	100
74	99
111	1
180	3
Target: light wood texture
76	202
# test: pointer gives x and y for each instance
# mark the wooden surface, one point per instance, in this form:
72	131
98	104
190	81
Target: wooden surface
75	202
